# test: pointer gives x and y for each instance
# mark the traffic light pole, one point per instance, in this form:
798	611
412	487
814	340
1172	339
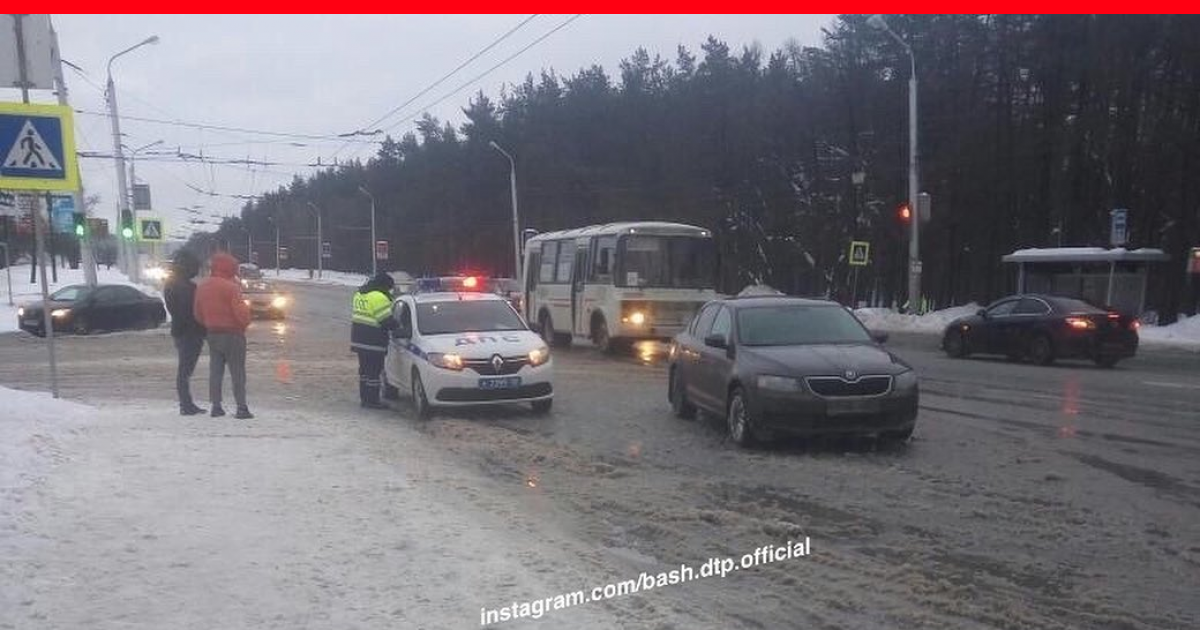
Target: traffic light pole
85	240
914	189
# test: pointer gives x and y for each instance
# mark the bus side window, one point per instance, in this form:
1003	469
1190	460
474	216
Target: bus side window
602	270
531	277
549	256
566	256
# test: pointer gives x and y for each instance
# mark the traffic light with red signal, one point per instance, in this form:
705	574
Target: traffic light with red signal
904	214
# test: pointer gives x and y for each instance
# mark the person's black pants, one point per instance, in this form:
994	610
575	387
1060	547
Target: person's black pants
370	375
188	348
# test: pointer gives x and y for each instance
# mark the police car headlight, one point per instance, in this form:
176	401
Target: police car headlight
447	361
538	356
278	301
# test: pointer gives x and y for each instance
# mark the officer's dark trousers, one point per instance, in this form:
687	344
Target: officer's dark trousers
370	375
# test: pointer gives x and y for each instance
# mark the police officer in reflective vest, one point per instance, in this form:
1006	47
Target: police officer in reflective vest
371	321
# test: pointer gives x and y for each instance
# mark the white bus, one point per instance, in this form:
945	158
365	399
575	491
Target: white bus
618	282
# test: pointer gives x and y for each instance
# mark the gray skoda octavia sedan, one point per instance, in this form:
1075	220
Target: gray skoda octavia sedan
792	365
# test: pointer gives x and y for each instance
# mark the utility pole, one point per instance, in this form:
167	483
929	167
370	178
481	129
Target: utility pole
88	260
914	184
374	254
128	257
320	241
512	183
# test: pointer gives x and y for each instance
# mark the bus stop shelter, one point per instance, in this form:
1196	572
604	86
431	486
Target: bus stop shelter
1115	278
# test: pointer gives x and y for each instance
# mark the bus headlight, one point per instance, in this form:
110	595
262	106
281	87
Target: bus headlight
447	361
278	301
637	318
538	356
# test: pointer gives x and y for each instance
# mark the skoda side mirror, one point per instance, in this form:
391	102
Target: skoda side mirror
982	313
715	341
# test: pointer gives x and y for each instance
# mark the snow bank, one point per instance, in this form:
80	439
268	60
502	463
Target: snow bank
24	292
32	429
932	322
1183	333
336	278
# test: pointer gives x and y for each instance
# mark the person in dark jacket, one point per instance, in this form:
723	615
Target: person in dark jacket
370	323
179	293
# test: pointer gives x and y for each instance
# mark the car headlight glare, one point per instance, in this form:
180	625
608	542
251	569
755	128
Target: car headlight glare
278	301
448	361
60	312
20	311
780	383
538	356
637	318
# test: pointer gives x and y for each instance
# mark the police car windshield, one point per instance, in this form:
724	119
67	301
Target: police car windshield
439	318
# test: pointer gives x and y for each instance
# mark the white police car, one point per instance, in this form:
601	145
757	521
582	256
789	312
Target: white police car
455	349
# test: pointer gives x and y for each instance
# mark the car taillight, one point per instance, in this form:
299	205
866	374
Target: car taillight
470	282
1080	323
1135	324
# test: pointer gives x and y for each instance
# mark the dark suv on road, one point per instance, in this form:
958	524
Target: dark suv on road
790	365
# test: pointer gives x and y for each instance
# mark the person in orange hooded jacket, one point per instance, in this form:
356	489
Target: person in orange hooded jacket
221	309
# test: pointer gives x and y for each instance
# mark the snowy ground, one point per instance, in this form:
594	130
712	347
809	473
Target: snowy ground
336	278
23	291
153	521
1183	334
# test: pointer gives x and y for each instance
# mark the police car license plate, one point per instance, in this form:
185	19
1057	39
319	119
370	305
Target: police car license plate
852	407
505	382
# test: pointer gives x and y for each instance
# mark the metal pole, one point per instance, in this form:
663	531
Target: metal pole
88	259
515	216
374	256
276	249
39	246
320	241
122	187
135	246
47	318
914	189
8	272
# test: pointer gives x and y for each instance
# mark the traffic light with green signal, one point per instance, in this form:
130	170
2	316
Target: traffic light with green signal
80	224
126	225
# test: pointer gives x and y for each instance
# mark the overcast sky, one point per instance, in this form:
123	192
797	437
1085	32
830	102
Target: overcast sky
325	75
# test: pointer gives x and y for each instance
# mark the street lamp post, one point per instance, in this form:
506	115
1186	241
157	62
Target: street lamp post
374	256
512	182
123	249
136	272
320	240
914	187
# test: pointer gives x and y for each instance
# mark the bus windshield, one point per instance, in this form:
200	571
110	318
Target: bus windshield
685	262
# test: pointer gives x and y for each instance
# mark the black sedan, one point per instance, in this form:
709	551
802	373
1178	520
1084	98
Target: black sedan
790	365
1043	328
81	309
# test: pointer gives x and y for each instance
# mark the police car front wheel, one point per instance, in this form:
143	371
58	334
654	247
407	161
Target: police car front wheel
419	401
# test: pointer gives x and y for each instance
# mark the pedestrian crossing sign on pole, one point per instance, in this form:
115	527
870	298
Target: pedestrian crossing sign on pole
860	253
37	148
150	229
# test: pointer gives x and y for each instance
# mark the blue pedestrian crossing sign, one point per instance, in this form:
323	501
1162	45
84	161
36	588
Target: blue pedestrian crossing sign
37	148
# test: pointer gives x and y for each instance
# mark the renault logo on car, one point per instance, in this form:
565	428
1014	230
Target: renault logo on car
497	362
